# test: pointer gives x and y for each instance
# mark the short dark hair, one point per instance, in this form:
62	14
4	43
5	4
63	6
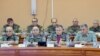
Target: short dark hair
84	25
59	26
9	19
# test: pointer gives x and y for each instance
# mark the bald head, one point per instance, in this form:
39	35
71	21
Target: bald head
34	21
9	28
9	31
75	21
95	23
54	21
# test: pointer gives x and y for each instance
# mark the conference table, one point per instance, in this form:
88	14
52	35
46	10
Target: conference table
49	51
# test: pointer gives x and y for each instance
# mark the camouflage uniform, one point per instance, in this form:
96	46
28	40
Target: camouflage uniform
73	29
11	38
29	28
53	37
89	37
33	38
15	28
51	29
97	29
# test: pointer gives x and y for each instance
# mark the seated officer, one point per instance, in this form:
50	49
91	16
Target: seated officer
59	36
74	28
51	28
85	35
35	36
10	37
11	23
34	23
96	26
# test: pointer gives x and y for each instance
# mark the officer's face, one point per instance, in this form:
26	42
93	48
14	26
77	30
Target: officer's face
95	24
54	22
75	22
35	30
10	23
59	30
9	31
34	22
84	30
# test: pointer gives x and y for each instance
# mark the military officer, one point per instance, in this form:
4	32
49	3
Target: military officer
10	37
10	22
51	28
74	28
96	26
85	35
59	36
35	36
34	23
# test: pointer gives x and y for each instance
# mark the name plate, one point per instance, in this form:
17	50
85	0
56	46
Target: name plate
99	46
79	45
5	45
21	45
50	45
